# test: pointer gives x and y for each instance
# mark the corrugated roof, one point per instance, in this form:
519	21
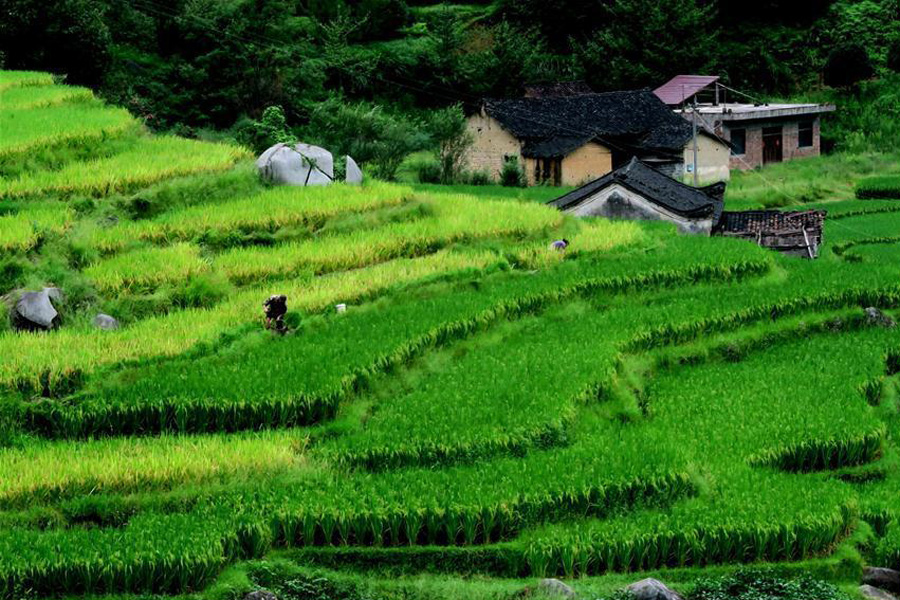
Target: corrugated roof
683	87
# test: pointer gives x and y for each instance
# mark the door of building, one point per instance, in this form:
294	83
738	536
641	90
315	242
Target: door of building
548	170
772	145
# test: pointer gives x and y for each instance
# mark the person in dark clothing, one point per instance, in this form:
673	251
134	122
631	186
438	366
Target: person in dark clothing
275	308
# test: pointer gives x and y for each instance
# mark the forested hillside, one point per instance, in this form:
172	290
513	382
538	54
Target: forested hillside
371	67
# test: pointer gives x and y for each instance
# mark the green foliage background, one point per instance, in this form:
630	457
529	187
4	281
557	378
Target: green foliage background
376	66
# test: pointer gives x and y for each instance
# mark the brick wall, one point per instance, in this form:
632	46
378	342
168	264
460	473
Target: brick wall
753	157
490	144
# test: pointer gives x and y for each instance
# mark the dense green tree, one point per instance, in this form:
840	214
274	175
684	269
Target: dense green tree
372	136
847	64
893	55
646	42
67	37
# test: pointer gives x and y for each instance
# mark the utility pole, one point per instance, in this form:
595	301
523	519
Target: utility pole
694	128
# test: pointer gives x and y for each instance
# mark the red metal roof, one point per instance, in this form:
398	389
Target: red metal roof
683	87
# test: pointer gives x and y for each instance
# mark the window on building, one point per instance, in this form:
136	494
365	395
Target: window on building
805	134
738	141
548	170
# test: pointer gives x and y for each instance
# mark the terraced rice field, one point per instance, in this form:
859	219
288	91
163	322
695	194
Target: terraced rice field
485	406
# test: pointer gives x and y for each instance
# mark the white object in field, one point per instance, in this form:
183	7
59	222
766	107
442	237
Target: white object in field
300	164
354	173
340	308
35	310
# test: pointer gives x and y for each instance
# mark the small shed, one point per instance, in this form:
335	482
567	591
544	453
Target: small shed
797	233
637	191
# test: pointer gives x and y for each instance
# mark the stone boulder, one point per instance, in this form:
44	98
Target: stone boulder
354	173
886	579
555	588
873	592
261	595
105	322
300	164
35	310
879	319
652	589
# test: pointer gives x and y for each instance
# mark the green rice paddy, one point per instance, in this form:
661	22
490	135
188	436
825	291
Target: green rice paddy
486	407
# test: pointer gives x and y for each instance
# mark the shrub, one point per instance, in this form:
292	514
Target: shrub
847	65
512	174
479	178
753	584
893	55
271	129
428	171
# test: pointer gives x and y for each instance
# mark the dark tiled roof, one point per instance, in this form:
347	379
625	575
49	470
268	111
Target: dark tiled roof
672	195
562	88
770	221
635	121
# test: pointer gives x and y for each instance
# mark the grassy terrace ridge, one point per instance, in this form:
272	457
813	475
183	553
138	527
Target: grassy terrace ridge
486	411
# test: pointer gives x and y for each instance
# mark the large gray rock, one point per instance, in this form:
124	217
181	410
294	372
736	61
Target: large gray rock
105	322
872	592
261	595
354	173
652	589
555	587
35	310
300	164
886	579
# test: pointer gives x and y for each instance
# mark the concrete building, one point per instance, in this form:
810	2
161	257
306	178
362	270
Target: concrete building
637	191
758	133
577	137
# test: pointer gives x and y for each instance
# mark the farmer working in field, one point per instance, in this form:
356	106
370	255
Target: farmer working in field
275	308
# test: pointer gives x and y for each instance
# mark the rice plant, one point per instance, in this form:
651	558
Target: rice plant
147	268
21	231
148	161
27	128
13	79
455	219
44	471
41	96
885	186
268	211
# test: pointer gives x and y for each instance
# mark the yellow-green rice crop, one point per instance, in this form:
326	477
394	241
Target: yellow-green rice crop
25	357
22	230
11	79
147	268
148	161
47	469
598	235
454	219
41	96
283	206
27	128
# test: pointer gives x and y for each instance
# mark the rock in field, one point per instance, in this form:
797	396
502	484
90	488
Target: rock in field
652	589
872	592
35	310
105	322
555	587
261	595
300	164
354	173
886	579
879	319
